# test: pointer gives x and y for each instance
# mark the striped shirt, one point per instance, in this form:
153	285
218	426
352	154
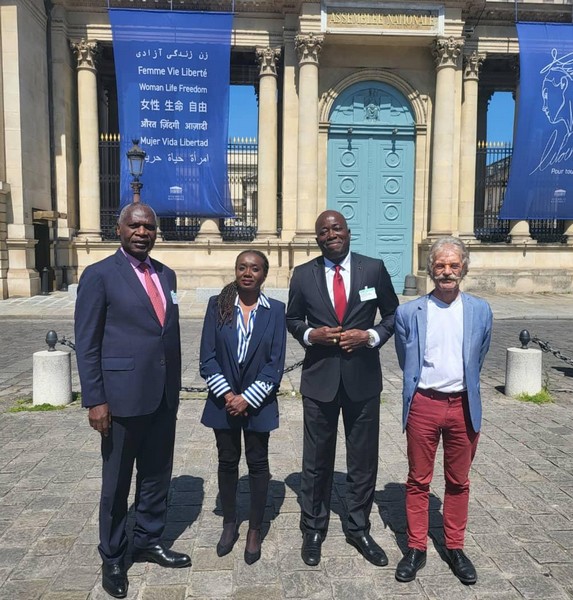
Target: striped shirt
258	391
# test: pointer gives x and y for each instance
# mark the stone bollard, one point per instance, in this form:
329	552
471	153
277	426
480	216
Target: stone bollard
523	369
73	291
51	375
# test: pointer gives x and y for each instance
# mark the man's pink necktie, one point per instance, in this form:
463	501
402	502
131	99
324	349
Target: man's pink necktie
153	293
339	294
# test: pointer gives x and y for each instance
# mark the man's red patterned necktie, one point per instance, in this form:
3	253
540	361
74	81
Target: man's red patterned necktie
339	294
153	293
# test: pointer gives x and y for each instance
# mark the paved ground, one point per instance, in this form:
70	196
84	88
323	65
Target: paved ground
520	533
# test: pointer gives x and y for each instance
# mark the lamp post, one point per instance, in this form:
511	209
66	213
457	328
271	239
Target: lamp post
136	157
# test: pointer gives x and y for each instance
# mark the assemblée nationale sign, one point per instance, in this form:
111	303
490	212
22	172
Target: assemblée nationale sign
380	20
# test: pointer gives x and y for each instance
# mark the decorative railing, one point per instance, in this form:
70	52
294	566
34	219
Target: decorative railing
493	160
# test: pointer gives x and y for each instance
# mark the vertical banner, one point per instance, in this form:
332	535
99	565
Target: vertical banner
172	70
540	182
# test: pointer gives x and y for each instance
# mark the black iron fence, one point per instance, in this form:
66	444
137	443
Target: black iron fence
492	172
242	174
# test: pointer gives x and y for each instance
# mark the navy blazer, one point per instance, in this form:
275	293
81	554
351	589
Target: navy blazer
411	321
264	362
309	305
125	357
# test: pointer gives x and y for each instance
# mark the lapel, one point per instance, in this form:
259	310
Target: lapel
261	322
229	331
421	323
357	278
320	280
128	274
468	320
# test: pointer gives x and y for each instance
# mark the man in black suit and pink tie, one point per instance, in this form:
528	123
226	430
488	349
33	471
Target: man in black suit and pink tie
332	308
129	360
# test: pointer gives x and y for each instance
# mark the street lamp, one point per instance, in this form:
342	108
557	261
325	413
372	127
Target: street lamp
136	157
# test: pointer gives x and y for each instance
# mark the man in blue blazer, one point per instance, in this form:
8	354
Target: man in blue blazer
129	360
441	340
332	311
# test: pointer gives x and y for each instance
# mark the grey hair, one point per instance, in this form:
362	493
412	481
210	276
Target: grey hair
126	210
452	242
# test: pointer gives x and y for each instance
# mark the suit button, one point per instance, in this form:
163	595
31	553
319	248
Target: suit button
415	378
162	362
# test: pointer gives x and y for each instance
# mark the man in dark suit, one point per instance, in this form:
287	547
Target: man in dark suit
332	307
129	361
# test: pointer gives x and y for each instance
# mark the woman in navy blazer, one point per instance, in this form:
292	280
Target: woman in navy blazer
242	360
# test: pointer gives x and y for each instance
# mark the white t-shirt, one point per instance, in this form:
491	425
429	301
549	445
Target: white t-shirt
443	366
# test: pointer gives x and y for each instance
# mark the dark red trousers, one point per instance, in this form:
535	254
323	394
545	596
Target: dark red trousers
434	414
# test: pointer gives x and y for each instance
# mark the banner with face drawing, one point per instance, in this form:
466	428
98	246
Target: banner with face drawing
540	182
173	79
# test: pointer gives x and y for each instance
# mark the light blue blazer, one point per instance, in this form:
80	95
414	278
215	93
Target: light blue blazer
410	338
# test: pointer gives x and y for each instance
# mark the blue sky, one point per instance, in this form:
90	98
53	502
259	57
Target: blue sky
500	117
243	114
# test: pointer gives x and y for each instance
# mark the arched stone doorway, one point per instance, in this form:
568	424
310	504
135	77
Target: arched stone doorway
370	172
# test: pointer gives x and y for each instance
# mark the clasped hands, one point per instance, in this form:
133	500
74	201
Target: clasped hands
348	340
236	405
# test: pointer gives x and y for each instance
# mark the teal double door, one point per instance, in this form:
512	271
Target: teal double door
371	173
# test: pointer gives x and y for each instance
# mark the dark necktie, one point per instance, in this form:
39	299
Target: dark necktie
339	294
153	293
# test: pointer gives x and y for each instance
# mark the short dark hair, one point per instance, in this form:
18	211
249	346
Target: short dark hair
126	210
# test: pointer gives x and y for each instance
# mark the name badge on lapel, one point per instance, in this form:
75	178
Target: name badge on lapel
367	294
174	297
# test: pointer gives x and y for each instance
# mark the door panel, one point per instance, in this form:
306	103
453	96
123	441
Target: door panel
371	172
370	181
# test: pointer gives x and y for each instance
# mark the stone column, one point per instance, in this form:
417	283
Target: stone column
267	169
468	145
518	230
308	48
87	53
446	53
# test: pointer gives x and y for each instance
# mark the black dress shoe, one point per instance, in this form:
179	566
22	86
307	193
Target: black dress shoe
311	544
462	566
410	564
369	549
253	557
114	580
162	556
228	538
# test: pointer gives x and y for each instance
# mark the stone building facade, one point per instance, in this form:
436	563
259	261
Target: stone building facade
374	109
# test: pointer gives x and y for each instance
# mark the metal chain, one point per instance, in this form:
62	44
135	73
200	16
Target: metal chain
293	367
68	343
546	347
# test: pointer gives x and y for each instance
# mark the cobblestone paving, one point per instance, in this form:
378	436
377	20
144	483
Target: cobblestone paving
520	531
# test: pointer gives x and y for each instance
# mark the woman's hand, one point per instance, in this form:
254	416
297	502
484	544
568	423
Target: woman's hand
236	405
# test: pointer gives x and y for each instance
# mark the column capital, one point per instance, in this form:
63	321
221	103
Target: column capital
87	53
268	58
308	47
472	65
446	51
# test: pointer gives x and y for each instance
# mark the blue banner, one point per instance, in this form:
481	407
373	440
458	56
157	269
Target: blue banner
540	182
172	71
